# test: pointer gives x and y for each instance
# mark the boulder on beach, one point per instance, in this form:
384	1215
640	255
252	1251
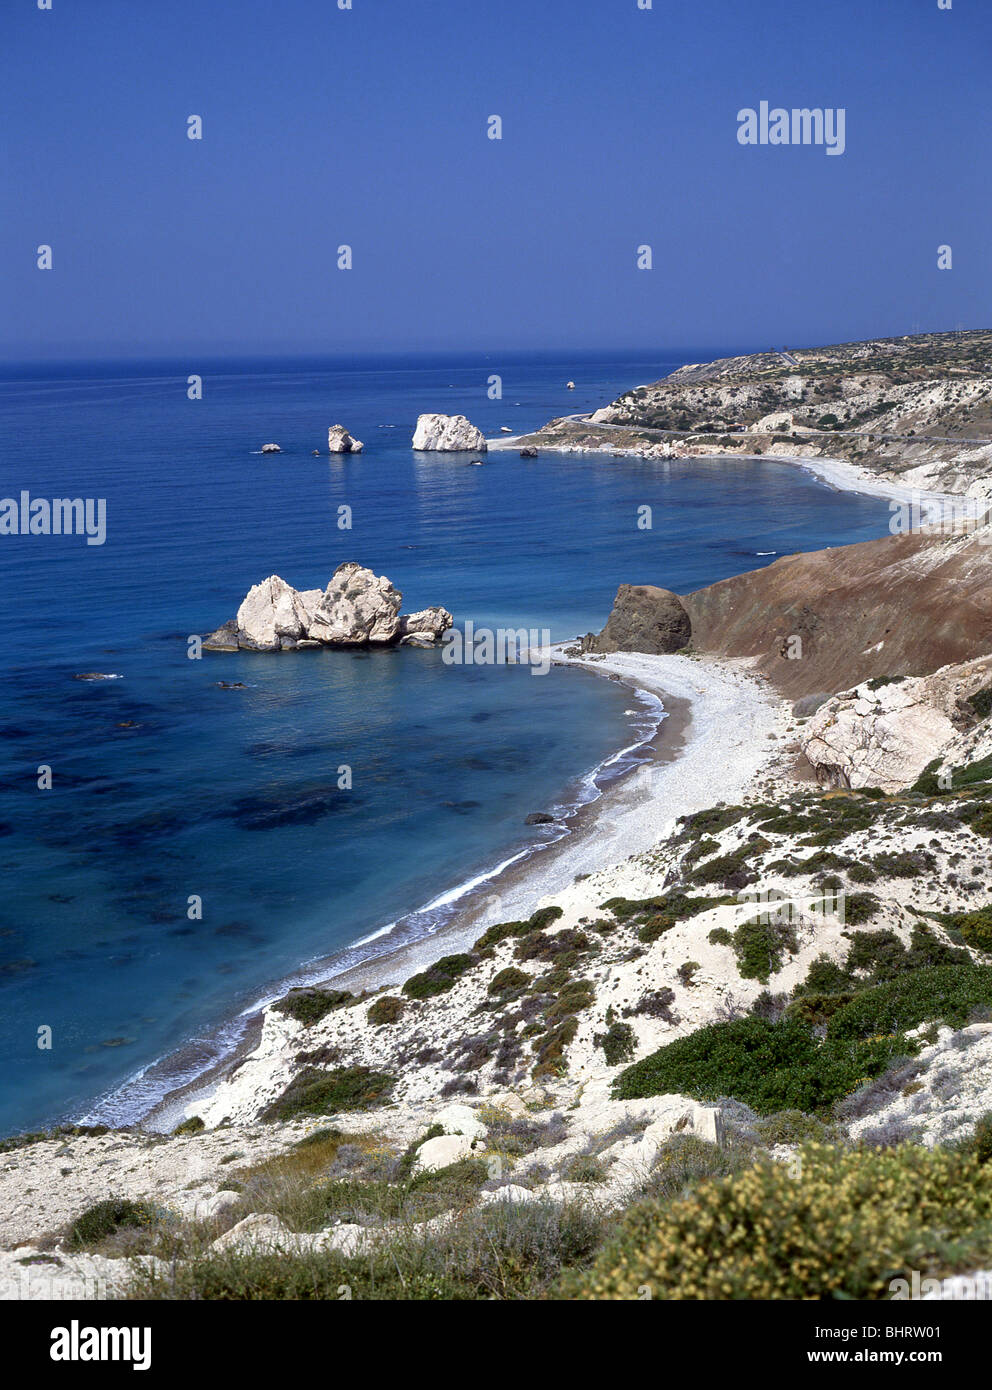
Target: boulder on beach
644	619
357	609
447	434
339	441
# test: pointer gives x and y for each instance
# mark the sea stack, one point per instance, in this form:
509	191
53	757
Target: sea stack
356	609
447	434
339	441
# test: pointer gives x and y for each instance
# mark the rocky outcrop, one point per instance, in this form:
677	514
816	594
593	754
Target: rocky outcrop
885	732
271	449
357	609
447	434
339	441
425	628
644	619
271	613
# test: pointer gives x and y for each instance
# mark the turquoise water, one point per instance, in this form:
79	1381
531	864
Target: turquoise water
166	786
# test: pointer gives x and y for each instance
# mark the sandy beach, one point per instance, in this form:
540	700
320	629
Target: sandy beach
714	745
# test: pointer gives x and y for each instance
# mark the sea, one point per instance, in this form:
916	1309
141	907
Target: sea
187	836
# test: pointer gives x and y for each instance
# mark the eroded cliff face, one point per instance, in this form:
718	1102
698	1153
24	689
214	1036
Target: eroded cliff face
827	620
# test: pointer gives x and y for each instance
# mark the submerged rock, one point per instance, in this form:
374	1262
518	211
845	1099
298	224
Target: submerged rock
448	434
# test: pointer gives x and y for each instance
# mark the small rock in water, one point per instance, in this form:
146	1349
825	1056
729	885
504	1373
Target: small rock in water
271	449
539	818
97	676
231	685
529	453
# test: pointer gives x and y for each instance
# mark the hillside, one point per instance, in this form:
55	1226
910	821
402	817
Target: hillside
916	409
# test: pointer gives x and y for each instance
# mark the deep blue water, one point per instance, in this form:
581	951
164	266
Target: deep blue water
166	785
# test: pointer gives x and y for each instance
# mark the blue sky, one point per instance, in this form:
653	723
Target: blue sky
368	127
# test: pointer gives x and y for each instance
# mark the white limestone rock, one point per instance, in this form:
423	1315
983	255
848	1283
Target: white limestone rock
460	1119
425	628
356	608
259	1231
271	615
339	441
885	737
448	434
445	1150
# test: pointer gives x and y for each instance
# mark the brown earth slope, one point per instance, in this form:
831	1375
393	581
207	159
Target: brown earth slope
903	605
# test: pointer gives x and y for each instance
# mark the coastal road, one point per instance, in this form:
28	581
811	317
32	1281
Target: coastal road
803	433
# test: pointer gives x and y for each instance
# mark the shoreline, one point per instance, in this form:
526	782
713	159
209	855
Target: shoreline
712	707
475	902
840	474
625	818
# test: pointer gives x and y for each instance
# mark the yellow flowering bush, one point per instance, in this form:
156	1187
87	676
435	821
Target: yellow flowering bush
834	1222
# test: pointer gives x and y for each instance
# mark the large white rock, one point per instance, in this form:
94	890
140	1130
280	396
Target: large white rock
270	613
339	441
447	433
460	1119
259	1231
356	608
885	737
445	1150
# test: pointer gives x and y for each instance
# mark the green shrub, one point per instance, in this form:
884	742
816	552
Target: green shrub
760	944
308	1005
981	1140
938	994
859	908
857	1219
583	1168
506	1250
618	1043
104	1219
508	980
439	977
770	1066
975	927
388	1009
191	1126
315	1092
